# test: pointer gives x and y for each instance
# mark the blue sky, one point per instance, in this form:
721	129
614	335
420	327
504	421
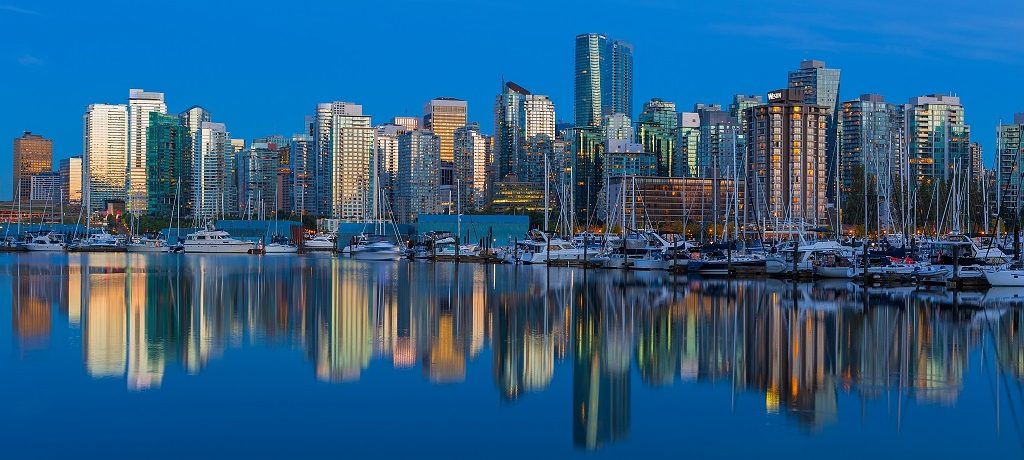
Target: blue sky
260	66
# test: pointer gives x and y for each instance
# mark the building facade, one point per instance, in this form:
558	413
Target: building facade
820	86
45	189
786	178
418	190
33	154
687	145
257	174
938	137
656	130
169	166
670	203
443	116
472	164
141	104
719	148
1009	168
105	154
303	166
213	189
71	180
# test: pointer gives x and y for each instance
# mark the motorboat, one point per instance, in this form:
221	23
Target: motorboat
46	242
321	242
374	247
791	256
540	248
214	241
99	242
148	243
833	264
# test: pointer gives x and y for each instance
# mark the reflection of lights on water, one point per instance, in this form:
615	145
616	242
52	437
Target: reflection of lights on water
771	400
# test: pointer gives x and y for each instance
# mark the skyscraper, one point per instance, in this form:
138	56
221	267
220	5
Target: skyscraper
257	168
687	143
213	172
538	113
520	118
621	71
656	131
169	166
387	157
786	170
141	103
618	126
303	164
472	164
351	164
820	86
873	139
33	154
719	153
591	88
71	180
419	157
105	147
443	116
1010	167
938	138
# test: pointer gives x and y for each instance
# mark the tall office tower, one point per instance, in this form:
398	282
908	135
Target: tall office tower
192	119
739	105
656	131
105	148
303	164
1010	168
508	129
71	180
168	166
621	72
872	141
719	153
141	103
212	172
624	158
938	138
407	123
687	143
588	152
786	172
443	116
386	146
33	154
977	173
618	126
538	113
472	163
820	86
592	88
258	178
419	157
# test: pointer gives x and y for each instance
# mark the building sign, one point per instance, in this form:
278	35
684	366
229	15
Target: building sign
775	96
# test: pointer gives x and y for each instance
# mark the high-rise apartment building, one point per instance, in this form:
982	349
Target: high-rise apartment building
872	138
656	130
820	86
407	123
33	154
71	180
443	116
105	157
303	165
938	138
720	151
538	113
351	164
168	166
141	103
603	79
419	157
1010	168
386	145
618	126
213	172
258	168
44	188
786	172
520	119
472	165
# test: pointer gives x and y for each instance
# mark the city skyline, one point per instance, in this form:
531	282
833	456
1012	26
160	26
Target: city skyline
896	62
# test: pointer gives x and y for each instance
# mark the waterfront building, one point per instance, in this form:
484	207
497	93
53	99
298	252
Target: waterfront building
786	171
33	154
872	138
621	71
386	144
169	166
213	173
71	180
524	128
656	130
472	164
44	188
592	80
687	145
625	158
303	166
258	168
977	173
418	187
588	170
740	104
671	202
342	182
105	158
820	86
511	196
1009	168
938	138
141	104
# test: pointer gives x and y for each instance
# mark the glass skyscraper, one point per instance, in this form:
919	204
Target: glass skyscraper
938	138
105	161
168	165
141	103
656	131
603	79
1009	167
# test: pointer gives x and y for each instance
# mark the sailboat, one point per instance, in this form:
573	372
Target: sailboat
377	246
279	244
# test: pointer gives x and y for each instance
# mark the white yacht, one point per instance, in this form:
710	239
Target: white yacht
321	242
1005	278
46	242
540	249
148	243
783	261
374	248
99	242
213	241
280	245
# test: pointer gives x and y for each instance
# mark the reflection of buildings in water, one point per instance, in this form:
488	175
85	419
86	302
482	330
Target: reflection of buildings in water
32	288
448	310
104	338
1009	342
345	332
601	394
145	355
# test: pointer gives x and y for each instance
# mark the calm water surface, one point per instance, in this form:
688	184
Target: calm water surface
174	356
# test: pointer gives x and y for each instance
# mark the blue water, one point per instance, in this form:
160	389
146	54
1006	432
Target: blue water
185	356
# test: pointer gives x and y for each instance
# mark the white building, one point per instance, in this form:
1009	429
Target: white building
538	116
105	147
418	188
71	179
346	142
211	194
472	164
141	103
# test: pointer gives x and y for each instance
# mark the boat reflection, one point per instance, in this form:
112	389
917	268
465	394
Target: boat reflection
798	345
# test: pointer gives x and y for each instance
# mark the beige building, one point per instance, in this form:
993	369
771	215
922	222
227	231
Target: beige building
443	116
33	154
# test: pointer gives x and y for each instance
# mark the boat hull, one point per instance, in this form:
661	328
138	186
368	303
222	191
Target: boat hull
244	248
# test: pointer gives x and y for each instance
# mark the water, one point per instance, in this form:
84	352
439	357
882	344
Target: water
164	356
